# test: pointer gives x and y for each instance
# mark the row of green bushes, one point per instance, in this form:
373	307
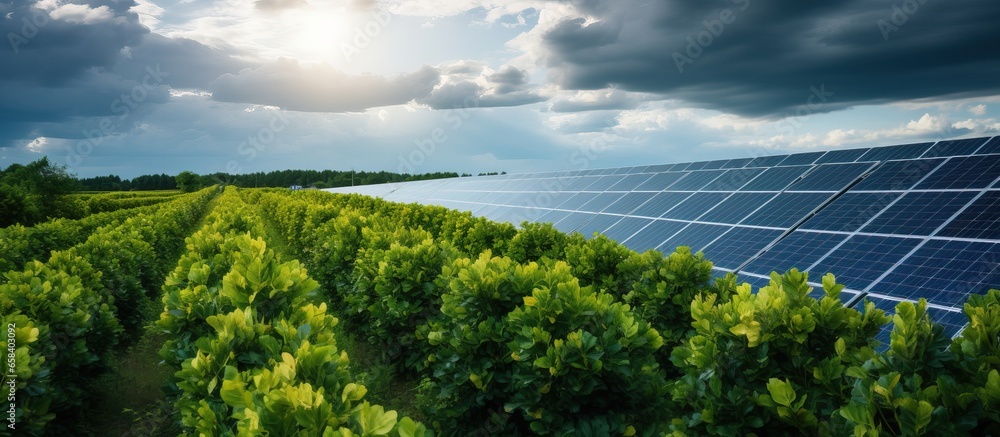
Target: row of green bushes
534	331
70	312
253	344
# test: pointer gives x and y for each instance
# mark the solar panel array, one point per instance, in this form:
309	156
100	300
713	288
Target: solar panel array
893	223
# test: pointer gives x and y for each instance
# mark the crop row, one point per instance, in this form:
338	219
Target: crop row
69	313
534	331
253	346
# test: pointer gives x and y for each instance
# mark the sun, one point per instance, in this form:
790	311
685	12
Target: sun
317	34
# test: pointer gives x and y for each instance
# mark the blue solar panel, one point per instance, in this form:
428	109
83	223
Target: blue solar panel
918	213
598	223
786	209
735	247
981	219
696	236
956	147
573	221
766	161
603	183
713	165
799	249
903	151
776	178
850	211
737	163
695	180
802	158
993	146
628	203
835	156
695	206
659	182
577	201
736	207
965	172
862	259
898	175
696	165
601	201
732	180
944	272
651	236
630	182
626	227
830	177
660	204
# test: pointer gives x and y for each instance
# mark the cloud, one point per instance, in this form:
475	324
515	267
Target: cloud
79	14
592	100
469	84
278	5
762	59
978	110
289	85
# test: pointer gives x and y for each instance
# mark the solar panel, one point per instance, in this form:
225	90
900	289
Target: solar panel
979	220
696	205
628	203
830	177
801	158
652	235
736	207
799	249
862	259
993	146
776	178
786	209
732	180
630	182
850	211
892	223
659	181
955	147
737	245
626	227
898	175
696	236
696	180
834	156
766	161
601	201
964	172
944	272
903	151
919	213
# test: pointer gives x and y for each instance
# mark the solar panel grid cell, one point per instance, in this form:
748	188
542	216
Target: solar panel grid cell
918	213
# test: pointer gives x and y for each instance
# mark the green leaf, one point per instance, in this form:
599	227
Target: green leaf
781	392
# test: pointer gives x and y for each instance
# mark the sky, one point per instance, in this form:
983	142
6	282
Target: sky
132	87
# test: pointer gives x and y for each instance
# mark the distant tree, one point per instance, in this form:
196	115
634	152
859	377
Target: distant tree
188	181
36	192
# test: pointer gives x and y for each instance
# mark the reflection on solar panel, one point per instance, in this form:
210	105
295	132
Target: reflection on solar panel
893	223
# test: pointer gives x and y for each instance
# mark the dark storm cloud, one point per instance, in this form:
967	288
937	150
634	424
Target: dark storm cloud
757	58
322	88
61	76
507	87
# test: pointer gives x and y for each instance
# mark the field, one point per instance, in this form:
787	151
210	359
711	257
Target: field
269	312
